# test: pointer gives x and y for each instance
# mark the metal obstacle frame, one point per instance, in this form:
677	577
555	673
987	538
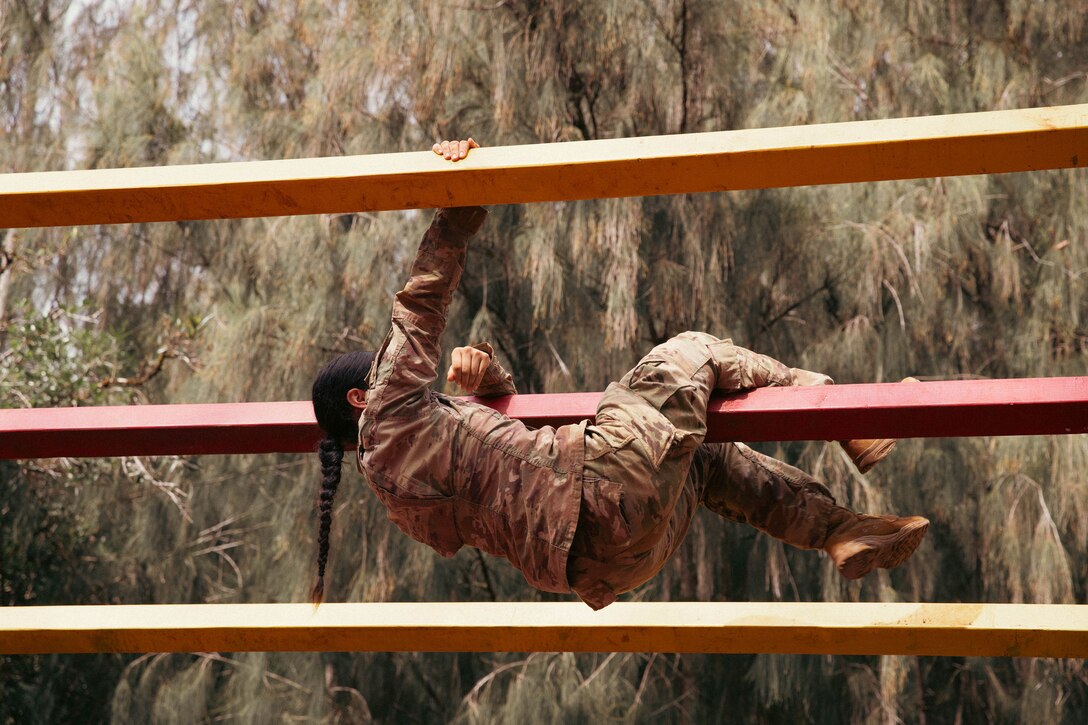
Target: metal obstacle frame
976	143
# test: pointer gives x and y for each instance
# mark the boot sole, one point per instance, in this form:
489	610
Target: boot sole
879	450
874	454
884	552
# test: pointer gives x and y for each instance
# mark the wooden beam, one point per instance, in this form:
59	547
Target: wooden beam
153	430
975	630
970	143
1030	406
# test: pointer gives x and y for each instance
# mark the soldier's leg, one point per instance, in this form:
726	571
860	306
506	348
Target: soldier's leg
647	426
675	381
785	502
650	423
743	485
658	409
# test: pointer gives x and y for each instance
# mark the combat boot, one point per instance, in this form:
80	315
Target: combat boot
867	452
859	543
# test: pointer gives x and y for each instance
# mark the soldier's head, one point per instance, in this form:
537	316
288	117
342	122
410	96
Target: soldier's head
339	393
338	396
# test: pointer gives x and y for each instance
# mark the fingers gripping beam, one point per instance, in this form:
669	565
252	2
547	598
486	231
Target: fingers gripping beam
837	153
990	630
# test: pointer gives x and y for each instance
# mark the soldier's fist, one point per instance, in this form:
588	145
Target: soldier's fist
468	368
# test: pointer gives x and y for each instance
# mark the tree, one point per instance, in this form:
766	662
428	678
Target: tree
960	277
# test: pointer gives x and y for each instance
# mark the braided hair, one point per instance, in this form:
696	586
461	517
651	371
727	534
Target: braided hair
336	418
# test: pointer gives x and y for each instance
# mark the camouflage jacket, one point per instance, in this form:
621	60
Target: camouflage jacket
452	472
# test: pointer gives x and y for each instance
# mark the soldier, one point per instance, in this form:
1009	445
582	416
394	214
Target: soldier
598	508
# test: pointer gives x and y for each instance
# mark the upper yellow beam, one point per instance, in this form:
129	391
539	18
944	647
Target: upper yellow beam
1001	630
970	143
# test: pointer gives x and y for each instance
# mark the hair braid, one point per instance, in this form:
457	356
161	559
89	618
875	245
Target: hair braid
337	418
332	458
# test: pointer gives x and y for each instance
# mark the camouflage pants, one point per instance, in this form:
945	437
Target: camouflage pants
647	468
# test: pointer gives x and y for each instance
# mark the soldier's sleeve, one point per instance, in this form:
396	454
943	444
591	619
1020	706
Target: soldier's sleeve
408	361
497	381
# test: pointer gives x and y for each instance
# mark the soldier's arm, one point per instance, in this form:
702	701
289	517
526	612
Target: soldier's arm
407	362
474	368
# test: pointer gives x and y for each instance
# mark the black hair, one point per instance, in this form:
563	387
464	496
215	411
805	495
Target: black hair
336	418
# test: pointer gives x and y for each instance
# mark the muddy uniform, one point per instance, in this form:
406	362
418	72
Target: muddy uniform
452	472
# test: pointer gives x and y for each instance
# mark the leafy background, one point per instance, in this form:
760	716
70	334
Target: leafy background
941	278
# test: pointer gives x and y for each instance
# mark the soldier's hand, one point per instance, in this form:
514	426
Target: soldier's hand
468	368
454	150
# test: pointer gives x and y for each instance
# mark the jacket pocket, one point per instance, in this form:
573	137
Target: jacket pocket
429	520
604	515
606	438
640	428
403	487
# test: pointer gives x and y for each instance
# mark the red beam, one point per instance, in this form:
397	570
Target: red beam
151	430
939	409
1031	406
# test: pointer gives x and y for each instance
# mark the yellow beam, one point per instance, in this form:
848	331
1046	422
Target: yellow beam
972	143
1001	630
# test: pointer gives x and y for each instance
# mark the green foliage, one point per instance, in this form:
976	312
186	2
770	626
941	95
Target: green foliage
56	359
59	519
947	278
49	545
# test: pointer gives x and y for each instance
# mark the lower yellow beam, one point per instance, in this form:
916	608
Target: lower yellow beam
835	153
991	630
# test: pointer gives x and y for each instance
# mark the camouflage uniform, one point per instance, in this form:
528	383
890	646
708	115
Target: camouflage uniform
452	472
647	468
595	509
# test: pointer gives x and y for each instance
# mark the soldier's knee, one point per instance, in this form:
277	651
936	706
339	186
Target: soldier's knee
686	352
704	338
